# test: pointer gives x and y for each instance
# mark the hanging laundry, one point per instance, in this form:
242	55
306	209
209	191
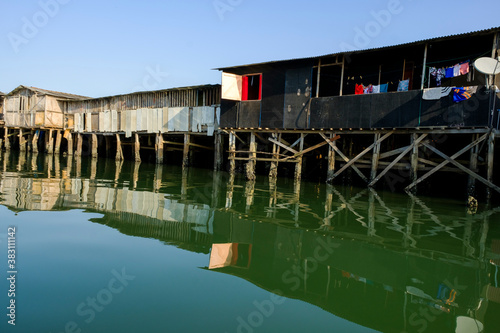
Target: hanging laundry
383	87
463	93
358	89
464	68
368	89
448	72
438	74
376	89
436	93
403	85
456	70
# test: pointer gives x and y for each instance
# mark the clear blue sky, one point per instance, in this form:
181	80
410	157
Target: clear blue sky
100	48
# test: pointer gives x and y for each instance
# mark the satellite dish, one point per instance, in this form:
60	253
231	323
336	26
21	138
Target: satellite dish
489	66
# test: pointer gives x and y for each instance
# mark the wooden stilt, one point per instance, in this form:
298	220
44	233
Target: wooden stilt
50	142
137	148
34	142
57	148
375	157
69	138
471	184
94	146
230	191
298	166
250	167
273	170
414	159
1	143
219	148
490	158
331	159
232	154
6	138
159	148
185	152
22	141
93	168
119	150
79	143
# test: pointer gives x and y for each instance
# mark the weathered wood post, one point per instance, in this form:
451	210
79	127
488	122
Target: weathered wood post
79	143
22	141
218	149
474	151
159	148
252	156
119	150
6	138
185	152
375	157
94	146
34	142
57	148
137	148
331	159
414	159
298	166
232	154
49	142
273	170
69	138
490	158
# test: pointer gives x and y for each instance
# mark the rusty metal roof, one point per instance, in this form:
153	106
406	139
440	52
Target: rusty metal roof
423	41
48	92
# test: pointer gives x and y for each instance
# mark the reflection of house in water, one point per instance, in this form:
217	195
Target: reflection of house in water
369	259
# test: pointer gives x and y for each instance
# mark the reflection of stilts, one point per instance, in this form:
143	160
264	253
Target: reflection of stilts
118	171
184	183
57	165
249	195
93	168
158	177
273	197
135	175
230	192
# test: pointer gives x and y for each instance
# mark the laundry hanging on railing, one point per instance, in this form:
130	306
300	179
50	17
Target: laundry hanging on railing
436	93
403	85
449	72
463	93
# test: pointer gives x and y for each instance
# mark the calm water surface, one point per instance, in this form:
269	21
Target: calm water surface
107	247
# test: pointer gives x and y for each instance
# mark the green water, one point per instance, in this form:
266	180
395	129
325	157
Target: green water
107	247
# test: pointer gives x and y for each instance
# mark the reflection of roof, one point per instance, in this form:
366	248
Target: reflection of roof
48	92
423	41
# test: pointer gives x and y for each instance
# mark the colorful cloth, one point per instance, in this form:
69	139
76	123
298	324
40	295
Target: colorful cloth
383	87
436	93
464	68
368	89
463	93
449	72
403	85
456	70
438	74
376	89
358	89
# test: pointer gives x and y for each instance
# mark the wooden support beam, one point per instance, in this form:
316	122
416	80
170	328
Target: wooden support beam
490	158
453	157
375	156
50	142
232	155
219	148
464	169
252	156
352	161
159	148
414	157
283	145
94	149
6	138
471	183
273	170
345	158
392	152
57	148
119	149
69	139
300	153
331	158
79	144
137	148
185	152
22	141
414	143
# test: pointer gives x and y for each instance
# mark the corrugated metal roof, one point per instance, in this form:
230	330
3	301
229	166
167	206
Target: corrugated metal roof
423	41
48	92
159	91
2	94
